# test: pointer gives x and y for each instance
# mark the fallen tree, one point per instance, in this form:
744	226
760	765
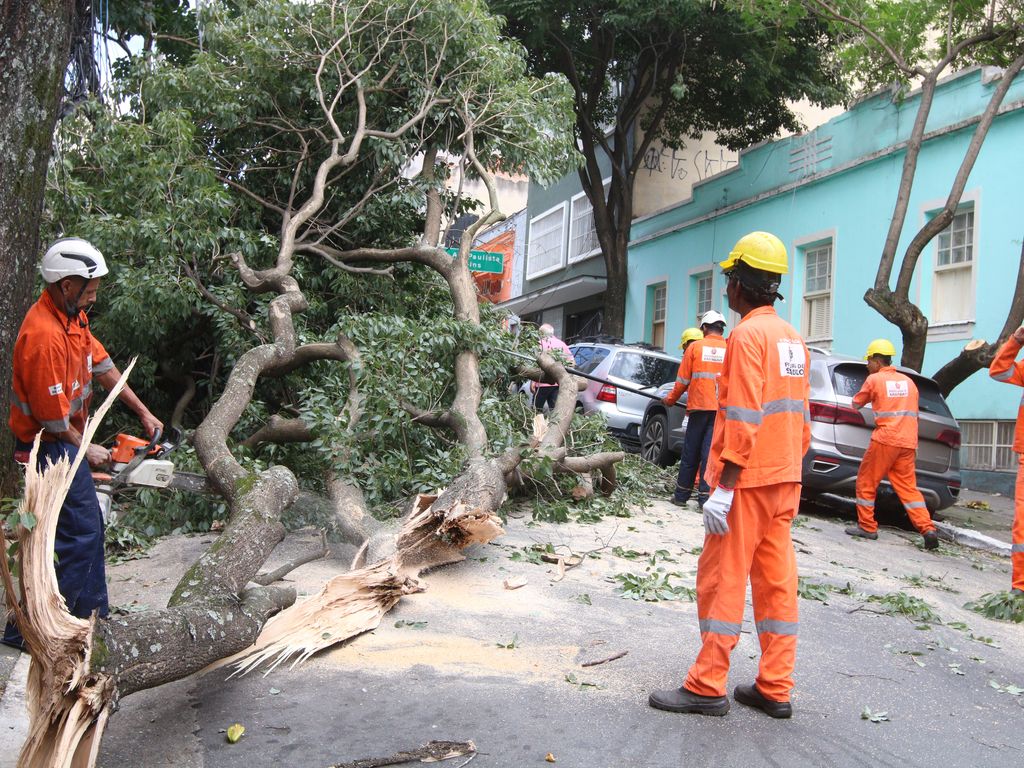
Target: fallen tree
384	84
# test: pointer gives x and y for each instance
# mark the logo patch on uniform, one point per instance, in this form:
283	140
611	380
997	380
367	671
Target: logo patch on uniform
897	389
57	389
792	361
712	354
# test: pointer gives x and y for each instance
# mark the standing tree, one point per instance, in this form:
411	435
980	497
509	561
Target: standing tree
668	70
282	144
916	42
38	36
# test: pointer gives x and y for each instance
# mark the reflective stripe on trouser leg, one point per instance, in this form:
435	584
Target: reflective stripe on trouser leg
903	477
722	585
872	470
773	584
1017	532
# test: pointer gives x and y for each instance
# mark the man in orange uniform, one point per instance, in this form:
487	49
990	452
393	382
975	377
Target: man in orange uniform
56	358
702	362
893	449
1005	368
761	434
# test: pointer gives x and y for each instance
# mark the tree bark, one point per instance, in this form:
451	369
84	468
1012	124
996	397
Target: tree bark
36	37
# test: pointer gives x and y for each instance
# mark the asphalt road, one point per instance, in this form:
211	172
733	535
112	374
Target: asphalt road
446	672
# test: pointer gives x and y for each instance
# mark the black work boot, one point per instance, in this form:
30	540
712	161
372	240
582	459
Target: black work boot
856	530
682	700
679	502
931	540
749	695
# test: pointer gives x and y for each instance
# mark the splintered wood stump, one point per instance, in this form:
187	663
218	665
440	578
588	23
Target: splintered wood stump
355	602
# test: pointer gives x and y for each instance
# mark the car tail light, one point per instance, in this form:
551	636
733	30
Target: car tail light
830	413
608	394
950	437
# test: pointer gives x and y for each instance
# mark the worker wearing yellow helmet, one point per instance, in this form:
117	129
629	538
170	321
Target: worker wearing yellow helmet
699	369
893	450
762	431
689	336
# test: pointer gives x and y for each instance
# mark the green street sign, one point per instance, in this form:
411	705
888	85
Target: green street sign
483	261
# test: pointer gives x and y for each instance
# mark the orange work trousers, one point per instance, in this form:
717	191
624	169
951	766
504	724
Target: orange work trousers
758	546
898	464
1017	533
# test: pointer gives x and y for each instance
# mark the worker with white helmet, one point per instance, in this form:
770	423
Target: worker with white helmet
56	358
703	360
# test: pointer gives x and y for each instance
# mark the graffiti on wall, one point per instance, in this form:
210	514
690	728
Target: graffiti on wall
680	165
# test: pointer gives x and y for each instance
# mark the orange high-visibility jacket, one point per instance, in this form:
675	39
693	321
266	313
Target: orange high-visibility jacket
54	362
702	362
1005	368
893	397
764	422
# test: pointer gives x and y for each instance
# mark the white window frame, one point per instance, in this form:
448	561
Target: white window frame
810	296
564	208
573	224
801	246
655	288
710	276
962	329
993	445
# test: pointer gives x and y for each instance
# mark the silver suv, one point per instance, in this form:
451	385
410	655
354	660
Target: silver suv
632	365
840	435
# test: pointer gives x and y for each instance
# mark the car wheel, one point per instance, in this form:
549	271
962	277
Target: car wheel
654	441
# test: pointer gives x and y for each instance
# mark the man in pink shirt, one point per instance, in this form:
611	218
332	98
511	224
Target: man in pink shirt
548	393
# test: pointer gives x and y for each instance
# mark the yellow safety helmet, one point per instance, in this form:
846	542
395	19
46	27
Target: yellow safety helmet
880	347
760	250
690	334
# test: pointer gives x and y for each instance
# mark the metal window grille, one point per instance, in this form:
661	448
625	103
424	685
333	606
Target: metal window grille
987	445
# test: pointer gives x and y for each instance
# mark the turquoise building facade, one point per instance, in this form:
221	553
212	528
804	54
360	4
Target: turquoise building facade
829	194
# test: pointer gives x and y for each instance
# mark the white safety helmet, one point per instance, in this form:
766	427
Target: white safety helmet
712	316
72	256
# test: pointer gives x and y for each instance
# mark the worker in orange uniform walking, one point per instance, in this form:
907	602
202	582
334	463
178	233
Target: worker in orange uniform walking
1005	368
893	449
761	434
703	359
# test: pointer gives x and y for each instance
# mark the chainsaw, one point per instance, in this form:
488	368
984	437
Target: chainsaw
136	462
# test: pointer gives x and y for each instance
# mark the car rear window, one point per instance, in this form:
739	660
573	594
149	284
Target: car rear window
588	358
848	378
645	370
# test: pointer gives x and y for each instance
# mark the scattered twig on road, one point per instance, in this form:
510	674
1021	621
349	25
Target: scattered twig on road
613	657
435	751
877	677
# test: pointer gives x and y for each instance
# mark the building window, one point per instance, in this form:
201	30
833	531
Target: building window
582	234
703	294
547	242
987	445
953	291
659	300
817	308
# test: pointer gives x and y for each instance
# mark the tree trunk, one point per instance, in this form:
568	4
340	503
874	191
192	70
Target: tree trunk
36	37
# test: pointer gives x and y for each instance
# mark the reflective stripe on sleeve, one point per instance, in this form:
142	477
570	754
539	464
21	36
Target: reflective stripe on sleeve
23	407
681	380
777	627
894	414
784	405
1017	548
704	375
746	415
720	627
103	367
1003	376
56	427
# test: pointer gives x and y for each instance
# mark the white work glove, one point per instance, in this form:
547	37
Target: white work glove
715	510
